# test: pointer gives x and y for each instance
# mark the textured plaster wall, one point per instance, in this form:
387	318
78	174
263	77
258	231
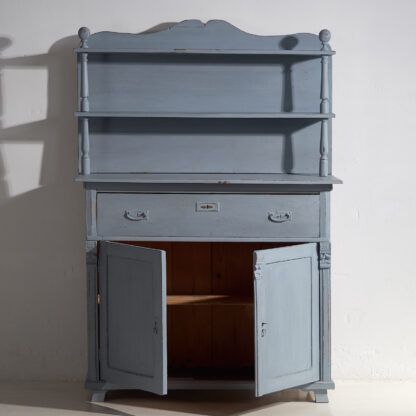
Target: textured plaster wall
42	272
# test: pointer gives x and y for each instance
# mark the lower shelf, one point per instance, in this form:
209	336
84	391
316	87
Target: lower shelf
209	300
243	372
186	383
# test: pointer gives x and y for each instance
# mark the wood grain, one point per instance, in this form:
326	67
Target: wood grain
212	300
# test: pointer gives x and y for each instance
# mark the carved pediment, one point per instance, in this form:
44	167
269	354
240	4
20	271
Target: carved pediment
194	35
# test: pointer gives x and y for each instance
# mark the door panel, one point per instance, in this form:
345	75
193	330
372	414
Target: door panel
133	317
286	301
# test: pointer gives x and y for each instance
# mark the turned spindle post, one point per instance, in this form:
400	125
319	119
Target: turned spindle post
324	36
84	34
85	159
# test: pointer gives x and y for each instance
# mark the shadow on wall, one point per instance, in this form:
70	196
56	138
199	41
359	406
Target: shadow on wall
42	267
42	284
42	260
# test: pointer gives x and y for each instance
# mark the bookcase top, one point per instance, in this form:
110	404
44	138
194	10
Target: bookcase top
213	37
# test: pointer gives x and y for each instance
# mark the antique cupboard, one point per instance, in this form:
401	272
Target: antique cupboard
205	153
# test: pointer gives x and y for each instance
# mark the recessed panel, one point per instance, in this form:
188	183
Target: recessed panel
130	299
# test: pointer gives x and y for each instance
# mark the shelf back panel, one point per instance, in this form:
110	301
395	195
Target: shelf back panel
130	145
198	83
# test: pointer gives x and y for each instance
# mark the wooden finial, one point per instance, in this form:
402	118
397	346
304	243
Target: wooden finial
325	37
84	34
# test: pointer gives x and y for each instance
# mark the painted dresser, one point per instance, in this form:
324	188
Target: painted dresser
205	154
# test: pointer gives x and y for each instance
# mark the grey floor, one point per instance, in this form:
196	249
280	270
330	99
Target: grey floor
70	399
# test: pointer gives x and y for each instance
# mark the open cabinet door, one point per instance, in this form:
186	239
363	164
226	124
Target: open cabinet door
286	297
133	350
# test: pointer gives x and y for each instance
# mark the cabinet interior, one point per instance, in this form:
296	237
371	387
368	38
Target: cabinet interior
210	309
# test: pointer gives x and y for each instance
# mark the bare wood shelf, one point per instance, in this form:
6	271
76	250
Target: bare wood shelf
182	300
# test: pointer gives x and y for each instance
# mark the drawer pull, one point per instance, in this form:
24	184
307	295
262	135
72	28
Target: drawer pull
136	215
207	206
280	216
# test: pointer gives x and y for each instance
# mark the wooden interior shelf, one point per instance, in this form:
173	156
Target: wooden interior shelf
182	300
139	114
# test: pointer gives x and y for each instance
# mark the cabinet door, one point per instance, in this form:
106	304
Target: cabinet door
133	317
286	296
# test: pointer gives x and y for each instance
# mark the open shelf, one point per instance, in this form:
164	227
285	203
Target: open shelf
290	52
209	300
211	178
139	114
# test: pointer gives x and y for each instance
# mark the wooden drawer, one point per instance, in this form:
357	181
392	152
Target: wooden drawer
207	215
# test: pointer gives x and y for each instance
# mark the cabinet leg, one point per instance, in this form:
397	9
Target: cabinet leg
321	396
98	396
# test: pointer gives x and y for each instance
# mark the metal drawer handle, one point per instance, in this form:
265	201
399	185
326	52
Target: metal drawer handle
280	216
136	215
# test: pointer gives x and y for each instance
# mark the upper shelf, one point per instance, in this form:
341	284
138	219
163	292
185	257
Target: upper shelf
208	51
195	37
211	178
136	114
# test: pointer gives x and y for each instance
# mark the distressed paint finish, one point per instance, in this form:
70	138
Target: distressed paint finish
215	36
91	213
93	374
188	117
249	71
177	215
324	36
286	301
84	33
325	287
210	178
225	141
133	349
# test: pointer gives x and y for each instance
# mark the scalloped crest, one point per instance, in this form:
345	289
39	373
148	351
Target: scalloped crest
194	34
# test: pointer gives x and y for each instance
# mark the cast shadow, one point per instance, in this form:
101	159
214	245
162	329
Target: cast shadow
73	397
70	397
51	218
58	198
206	402
42	266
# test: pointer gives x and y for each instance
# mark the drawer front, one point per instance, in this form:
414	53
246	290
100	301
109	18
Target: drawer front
207	215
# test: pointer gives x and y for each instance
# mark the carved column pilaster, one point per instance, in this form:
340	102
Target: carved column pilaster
324	255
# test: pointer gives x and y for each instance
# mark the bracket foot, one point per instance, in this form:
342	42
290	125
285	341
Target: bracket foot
98	396
321	396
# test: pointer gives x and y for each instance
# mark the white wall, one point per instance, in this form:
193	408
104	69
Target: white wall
42	272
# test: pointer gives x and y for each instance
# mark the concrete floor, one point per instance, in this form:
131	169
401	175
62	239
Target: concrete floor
70	399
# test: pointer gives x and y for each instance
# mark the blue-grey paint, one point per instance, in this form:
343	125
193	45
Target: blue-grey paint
178	216
206	178
133	349
206	115
286	300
